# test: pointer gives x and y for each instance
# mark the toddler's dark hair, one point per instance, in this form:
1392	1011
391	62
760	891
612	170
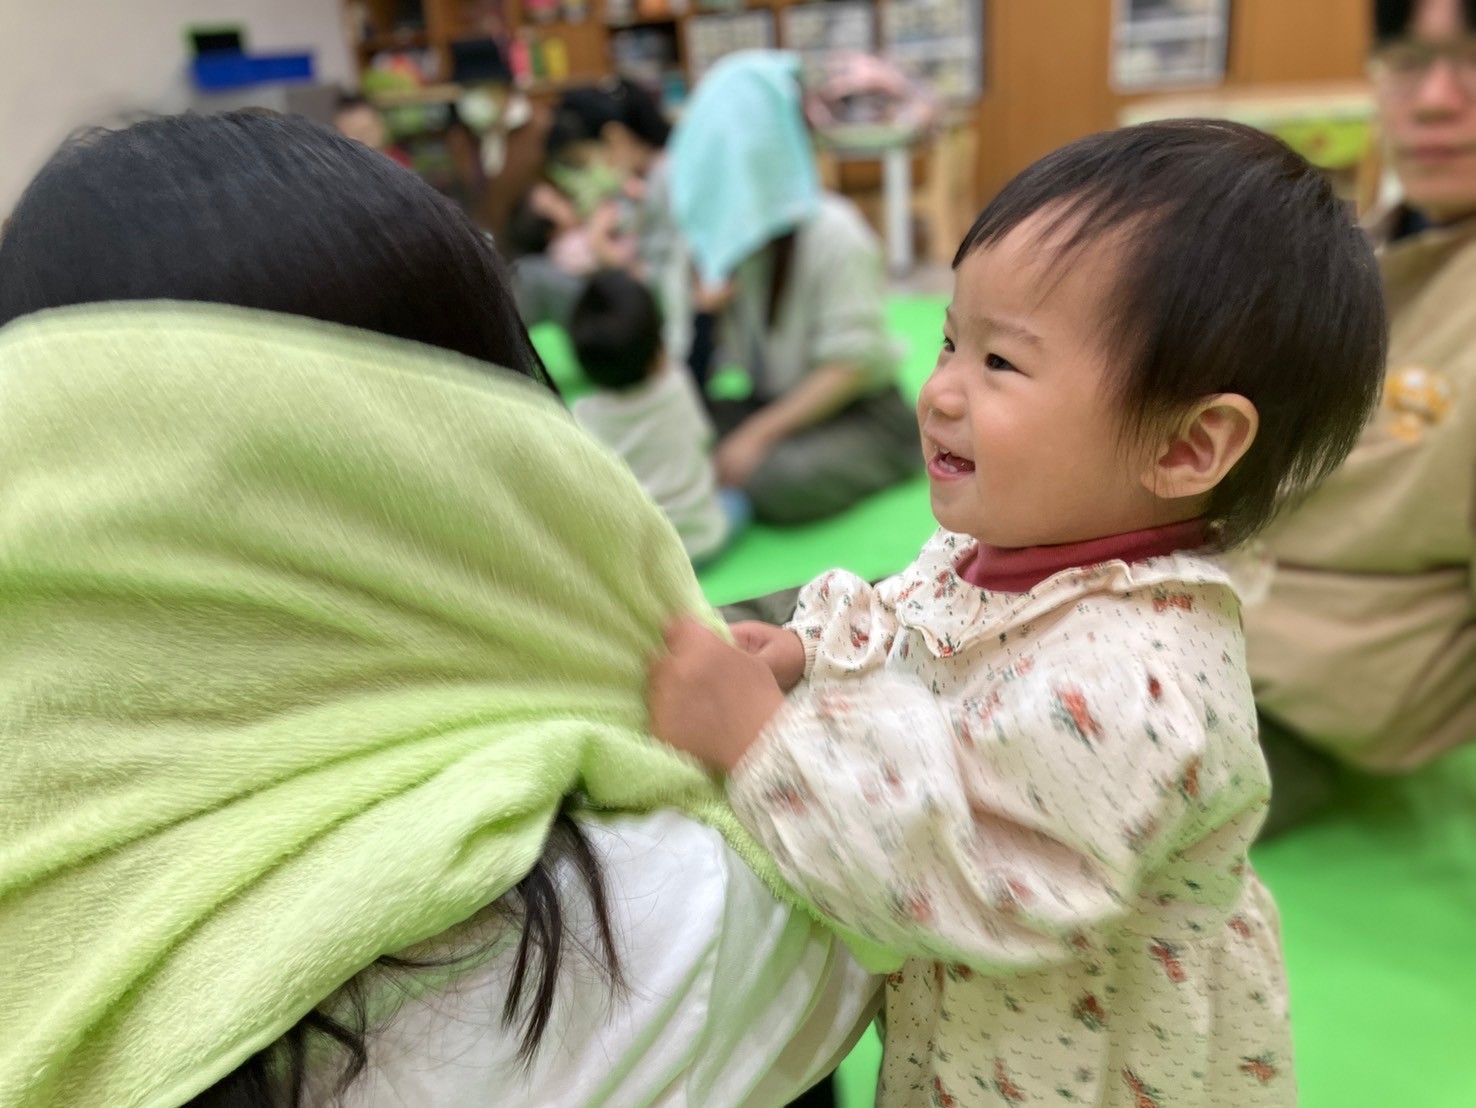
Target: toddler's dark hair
616	330
1239	272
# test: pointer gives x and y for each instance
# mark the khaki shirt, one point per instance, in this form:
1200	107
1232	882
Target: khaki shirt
1366	644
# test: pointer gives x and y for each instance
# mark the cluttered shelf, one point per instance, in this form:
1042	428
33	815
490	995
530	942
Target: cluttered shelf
393	40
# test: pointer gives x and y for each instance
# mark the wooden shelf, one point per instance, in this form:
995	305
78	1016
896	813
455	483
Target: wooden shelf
418	97
394	40
562	27
645	21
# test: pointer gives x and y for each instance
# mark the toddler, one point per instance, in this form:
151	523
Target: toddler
1028	763
646	409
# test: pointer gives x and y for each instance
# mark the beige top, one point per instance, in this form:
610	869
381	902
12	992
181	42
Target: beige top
1044	800
1367	642
832	312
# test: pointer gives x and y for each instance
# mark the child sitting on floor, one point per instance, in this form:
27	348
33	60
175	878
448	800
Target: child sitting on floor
646	409
1028	763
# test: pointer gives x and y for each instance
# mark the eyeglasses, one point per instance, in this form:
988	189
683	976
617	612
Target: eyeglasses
1402	67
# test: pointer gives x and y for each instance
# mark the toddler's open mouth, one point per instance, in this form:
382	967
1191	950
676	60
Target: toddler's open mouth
945	465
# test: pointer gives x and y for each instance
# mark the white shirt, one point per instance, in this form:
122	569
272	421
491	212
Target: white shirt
661	430
734	998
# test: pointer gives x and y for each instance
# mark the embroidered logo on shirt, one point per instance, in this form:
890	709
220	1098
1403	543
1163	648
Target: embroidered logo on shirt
1419	398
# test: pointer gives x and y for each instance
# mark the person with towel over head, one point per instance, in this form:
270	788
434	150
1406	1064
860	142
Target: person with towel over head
803	307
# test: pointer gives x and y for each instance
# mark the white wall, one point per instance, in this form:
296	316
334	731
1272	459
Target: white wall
71	63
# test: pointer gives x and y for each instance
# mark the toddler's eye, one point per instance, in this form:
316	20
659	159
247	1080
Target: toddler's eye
948	344
995	362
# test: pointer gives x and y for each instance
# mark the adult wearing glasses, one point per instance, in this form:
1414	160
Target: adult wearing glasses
1364	652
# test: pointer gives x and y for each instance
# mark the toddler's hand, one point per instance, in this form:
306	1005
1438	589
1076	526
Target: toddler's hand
777	647
708	698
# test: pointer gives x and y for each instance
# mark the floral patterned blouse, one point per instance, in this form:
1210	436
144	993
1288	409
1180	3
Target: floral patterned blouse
1043	800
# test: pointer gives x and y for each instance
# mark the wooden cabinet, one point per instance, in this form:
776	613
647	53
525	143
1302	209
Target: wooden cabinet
1047	68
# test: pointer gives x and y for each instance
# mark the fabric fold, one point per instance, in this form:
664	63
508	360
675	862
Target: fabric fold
305	635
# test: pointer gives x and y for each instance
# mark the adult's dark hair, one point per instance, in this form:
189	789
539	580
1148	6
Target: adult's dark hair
260	211
1237	270
583	113
271	212
277	1076
615	330
1393	17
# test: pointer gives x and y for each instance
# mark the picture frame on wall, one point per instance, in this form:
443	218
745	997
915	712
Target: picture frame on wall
1169	44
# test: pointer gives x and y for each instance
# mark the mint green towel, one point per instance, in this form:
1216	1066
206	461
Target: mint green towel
304	635
741	165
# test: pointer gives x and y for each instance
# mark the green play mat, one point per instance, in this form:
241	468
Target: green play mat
1378	897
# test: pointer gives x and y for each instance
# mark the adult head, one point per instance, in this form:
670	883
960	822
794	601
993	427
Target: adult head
616	123
259	211
1425	74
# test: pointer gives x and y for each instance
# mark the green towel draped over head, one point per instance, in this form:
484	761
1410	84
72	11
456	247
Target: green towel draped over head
305	634
741	164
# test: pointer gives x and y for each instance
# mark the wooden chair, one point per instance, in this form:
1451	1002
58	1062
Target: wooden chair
943	201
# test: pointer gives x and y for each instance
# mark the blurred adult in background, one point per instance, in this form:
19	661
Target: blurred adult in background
1365	651
608	143
606	156
802	300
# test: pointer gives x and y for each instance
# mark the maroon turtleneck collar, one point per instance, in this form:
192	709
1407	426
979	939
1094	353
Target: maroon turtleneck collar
1020	569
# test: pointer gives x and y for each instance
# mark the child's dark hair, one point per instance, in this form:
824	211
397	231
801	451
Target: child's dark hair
1239	272
1393	17
616	330
583	113
261	211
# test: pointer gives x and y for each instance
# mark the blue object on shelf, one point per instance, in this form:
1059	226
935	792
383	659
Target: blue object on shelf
228	69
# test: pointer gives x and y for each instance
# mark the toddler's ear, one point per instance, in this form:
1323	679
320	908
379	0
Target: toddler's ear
1204	447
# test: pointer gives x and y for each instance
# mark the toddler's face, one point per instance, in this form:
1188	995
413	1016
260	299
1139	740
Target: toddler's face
1020	428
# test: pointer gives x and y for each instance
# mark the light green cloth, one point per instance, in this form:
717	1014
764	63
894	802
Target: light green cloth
742	166
304	635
